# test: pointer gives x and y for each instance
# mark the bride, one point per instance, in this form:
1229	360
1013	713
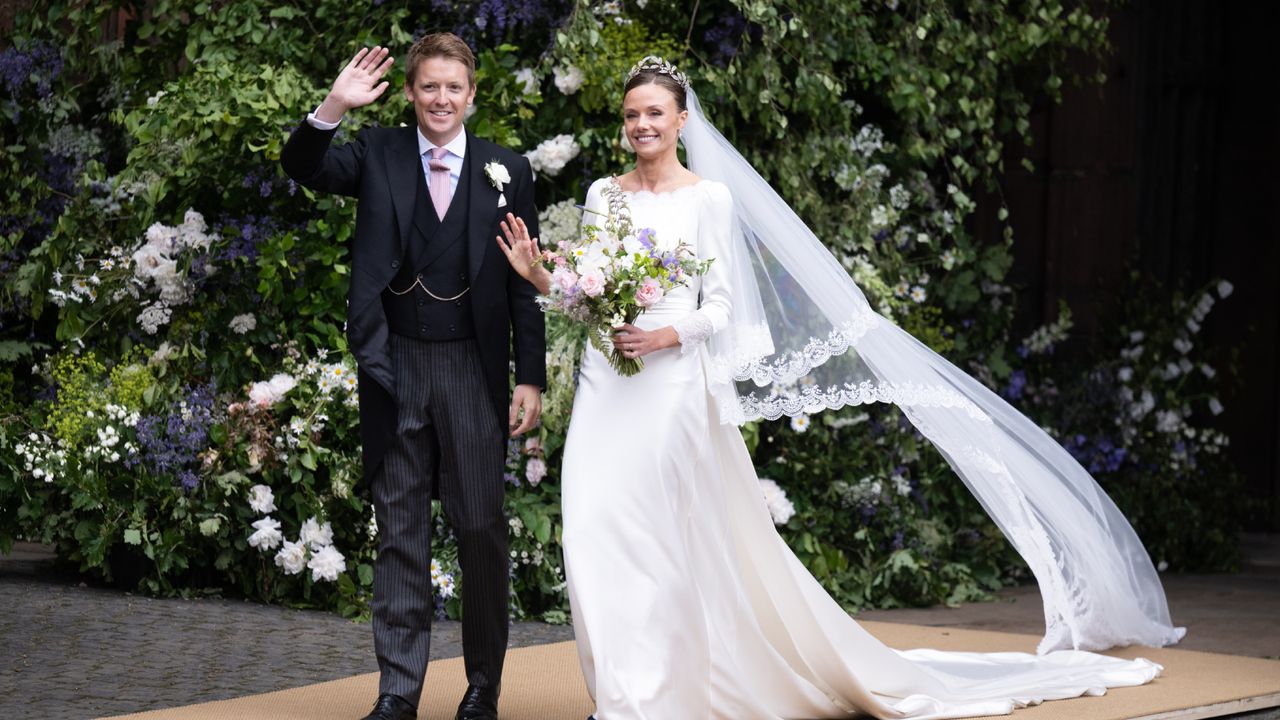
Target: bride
686	603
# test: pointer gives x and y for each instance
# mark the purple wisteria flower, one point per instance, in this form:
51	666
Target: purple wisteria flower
37	61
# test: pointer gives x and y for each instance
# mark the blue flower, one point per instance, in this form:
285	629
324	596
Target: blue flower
1017	383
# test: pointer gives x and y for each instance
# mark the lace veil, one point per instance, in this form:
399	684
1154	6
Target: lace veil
802	337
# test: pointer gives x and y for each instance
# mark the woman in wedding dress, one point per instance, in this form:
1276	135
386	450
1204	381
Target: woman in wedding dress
687	604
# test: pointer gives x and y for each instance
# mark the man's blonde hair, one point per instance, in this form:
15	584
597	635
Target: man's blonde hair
446	45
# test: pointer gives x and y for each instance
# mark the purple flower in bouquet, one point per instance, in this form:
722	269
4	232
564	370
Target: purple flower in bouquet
610	275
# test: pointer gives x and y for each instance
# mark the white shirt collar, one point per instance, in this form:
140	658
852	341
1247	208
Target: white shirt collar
456	146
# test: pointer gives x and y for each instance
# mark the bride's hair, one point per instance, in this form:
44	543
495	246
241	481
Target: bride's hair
664	74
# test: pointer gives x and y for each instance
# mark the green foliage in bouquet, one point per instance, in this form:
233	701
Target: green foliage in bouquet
177	407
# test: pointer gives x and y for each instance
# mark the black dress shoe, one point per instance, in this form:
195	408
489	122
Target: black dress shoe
480	703
392	707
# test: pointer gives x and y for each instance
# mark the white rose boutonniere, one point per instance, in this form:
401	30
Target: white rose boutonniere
498	177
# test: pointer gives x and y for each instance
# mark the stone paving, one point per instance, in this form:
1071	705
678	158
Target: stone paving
76	651
86	652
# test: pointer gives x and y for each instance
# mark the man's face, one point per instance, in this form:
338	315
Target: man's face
440	95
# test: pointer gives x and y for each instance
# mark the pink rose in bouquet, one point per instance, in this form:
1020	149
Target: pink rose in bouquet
649	293
610	275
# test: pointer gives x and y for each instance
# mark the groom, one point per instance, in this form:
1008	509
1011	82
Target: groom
433	314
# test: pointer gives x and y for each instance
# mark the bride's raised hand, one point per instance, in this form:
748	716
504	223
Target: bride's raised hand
523	253
360	82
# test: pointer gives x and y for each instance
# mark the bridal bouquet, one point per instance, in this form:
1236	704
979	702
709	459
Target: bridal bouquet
611	274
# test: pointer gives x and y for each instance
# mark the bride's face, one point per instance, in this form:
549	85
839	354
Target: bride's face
651	120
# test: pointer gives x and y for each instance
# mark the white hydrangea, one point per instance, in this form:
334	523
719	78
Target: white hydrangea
553	154
327	564
780	508
569	79
899	197
559	223
869	141
262	500
242	324
528	81
292	557
267	535
316	535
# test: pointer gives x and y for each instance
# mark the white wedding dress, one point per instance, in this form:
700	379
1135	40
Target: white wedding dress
687	604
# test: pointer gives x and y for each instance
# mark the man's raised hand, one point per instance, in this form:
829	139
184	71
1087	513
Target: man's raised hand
359	84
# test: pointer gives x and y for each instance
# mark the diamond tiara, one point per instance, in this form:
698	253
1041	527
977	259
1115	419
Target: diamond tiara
660	66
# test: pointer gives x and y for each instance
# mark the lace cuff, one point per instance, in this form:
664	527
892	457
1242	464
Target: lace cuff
692	330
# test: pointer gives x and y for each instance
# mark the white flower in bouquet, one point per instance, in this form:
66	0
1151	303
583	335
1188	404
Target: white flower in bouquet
1215	406
292	557
552	154
535	470
242	324
592	283
262	500
597	280
918	294
800	423
780	508
528	81
327	564
1225	289
569	79
315	534
267	535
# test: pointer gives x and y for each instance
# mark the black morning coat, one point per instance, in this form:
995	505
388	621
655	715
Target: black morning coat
378	168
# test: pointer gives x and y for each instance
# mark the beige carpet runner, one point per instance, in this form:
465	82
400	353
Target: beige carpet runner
544	683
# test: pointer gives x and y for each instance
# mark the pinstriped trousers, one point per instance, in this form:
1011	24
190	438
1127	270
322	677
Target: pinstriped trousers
446	433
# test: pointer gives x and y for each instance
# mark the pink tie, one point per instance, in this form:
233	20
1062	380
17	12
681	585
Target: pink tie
441	193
